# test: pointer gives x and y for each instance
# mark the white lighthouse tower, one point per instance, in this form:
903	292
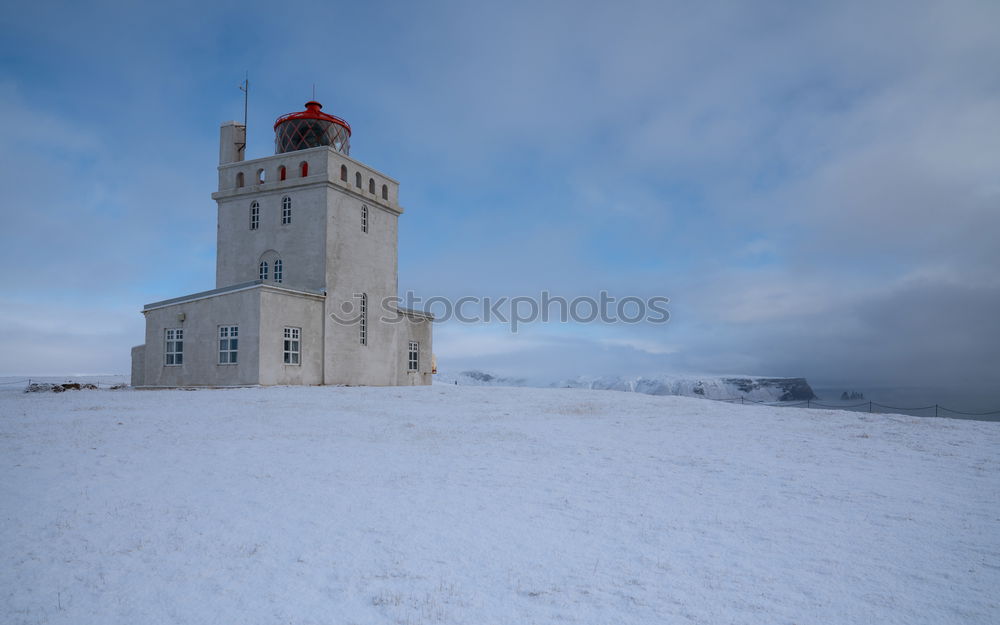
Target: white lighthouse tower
306	274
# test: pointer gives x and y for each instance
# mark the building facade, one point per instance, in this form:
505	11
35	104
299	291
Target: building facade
306	274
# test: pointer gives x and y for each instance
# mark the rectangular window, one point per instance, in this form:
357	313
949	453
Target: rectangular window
413	360
286	210
363	319
174	348
364	219
291	346
228	343
254	216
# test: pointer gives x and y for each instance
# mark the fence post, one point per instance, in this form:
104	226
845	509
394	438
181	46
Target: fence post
935	410
869	406
741	400
808	402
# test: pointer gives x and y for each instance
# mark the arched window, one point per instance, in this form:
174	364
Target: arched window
364	218
260	176
239	180
385	192
343	173
303	169
281	173
357	180
270	266
254	215
286	210
363	319
371	186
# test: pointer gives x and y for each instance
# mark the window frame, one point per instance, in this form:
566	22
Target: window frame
286	210
262	270
173	347
291	346
255	215
279	271
363	320
413	356
229	337
364	218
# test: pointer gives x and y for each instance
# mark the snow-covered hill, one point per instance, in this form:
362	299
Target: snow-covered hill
755	388
750	387
482	378
451	504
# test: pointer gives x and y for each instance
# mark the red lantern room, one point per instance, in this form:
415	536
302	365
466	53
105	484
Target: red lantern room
311	128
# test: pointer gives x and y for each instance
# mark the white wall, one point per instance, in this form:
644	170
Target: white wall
301	244
202	319
278	311
420	329
360	262
261	312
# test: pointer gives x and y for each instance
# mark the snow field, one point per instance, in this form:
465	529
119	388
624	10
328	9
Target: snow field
450	504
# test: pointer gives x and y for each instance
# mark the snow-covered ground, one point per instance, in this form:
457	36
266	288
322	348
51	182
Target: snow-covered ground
482	505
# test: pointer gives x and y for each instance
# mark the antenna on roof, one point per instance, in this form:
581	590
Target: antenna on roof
245	88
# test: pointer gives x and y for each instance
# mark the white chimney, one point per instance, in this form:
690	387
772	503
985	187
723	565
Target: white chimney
232	142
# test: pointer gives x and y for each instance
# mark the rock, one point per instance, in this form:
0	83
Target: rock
790	389
43	387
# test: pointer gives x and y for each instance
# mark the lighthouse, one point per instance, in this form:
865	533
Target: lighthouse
306	274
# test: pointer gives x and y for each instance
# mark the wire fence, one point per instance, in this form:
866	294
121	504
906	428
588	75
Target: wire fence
871	406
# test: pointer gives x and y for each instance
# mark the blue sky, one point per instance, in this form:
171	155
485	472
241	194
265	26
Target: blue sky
814	186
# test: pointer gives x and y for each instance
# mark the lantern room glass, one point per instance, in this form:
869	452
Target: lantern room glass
302	134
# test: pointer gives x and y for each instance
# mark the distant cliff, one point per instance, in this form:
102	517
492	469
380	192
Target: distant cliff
723	387
754	388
